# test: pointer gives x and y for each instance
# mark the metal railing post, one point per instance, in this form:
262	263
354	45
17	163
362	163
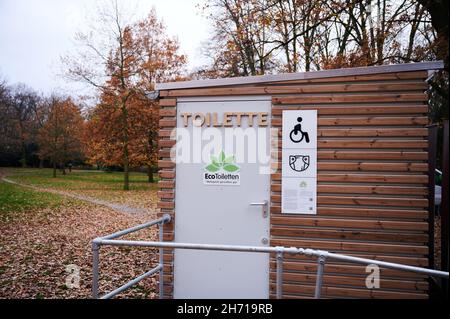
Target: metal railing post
279	278
432	154
95	266
319	277
161	261
444	205
321	255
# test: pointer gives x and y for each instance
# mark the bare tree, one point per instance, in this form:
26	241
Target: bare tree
60	136
106	62
315	34
122	66
438	10
21	106
239	43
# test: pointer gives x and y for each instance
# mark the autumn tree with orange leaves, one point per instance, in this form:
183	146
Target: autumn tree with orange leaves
122	128
60	137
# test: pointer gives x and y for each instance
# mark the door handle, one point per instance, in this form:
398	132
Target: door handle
264	204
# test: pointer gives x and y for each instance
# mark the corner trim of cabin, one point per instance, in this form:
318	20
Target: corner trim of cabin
166	184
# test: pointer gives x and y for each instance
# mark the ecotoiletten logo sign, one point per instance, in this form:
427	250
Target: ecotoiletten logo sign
222	171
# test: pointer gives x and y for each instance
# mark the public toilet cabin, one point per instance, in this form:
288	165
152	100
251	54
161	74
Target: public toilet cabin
368	170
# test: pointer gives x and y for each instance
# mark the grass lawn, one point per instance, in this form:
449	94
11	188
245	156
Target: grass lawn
15	200
102	185
78	179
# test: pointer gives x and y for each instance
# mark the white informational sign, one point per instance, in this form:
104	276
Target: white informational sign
299	162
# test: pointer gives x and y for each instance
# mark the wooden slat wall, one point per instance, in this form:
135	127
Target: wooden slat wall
372	180
372	187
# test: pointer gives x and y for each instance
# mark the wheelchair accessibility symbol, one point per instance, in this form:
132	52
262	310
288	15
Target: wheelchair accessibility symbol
297	135
299	163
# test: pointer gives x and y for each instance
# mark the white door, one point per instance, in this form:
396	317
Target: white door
222	214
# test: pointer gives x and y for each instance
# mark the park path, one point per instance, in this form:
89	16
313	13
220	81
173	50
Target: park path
117	207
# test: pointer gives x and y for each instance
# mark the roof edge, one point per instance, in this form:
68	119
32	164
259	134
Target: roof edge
405	67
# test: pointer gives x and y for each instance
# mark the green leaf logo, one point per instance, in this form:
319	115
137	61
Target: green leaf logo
230	168
212	168
227	163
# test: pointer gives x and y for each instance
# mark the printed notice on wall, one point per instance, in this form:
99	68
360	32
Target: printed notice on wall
299	162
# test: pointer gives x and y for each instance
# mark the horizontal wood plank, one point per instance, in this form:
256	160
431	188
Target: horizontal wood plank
302	89
363	78
168	112
374	178
372	155
365	121
420	261
392	132
371	236
166	184
367	178
351	246
342	223
350	292
164	153
353	269
375	213
166	164
380	166
351	98
356	109
167	174
166	204
166	143
357	282
166	195
364	201
373	132
363	166
167	102
364	189
167	123
164	133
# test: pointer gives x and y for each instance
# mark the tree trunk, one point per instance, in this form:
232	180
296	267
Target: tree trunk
126	169
54	169
63	168
41	163
150	174
439	13
24	155
126	155
307	54
126	164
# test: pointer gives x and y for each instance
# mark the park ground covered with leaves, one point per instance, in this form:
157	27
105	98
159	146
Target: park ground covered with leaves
43	231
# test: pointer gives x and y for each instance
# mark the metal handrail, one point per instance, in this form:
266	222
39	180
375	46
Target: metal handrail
321	255
97	242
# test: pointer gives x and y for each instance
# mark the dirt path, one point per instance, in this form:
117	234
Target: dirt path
117	207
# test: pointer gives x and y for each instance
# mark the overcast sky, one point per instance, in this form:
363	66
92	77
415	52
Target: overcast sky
35	33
